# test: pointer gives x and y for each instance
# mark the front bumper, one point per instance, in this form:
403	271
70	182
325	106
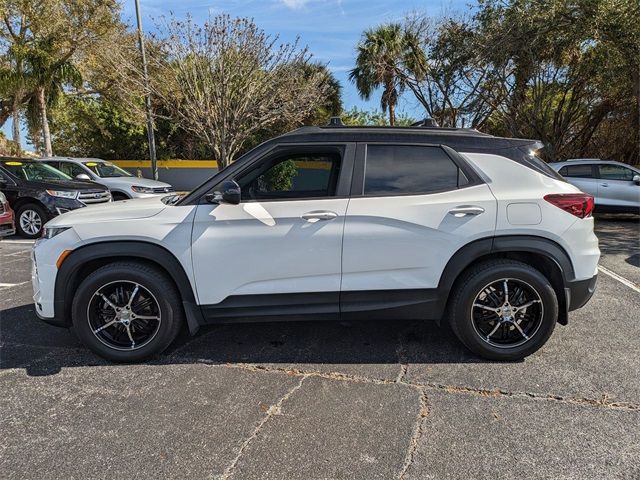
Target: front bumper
579	292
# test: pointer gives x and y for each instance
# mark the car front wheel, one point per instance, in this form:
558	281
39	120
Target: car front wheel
504	310
30	220
127	312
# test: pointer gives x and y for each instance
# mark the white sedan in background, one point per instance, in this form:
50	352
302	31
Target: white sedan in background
123	185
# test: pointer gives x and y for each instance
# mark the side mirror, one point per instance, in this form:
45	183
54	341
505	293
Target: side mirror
229	193
83	176
636	179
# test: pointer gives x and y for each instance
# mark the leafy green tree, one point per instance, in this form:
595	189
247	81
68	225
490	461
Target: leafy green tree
387	56
356	117
44	41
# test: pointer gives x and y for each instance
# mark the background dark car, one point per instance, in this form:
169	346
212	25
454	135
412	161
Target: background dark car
37	192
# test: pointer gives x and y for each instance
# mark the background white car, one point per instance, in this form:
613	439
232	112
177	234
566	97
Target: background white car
123	185
615	186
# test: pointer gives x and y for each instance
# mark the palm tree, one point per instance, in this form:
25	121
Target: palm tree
386	57
49	77
15	87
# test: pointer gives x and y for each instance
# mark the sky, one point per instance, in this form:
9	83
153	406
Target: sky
330	28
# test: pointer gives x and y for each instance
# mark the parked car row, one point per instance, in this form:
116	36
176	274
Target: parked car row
614	185
36	190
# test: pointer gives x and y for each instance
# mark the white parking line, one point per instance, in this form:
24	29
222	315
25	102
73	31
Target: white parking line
22	241
619	278
9	285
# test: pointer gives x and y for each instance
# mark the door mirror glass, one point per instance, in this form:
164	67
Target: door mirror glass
83	176
636	179
229	193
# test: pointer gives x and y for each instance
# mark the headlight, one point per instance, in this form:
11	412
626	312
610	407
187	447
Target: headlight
63	193
50	232
139	189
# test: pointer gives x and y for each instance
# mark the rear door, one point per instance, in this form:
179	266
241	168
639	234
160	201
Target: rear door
413	207
616	187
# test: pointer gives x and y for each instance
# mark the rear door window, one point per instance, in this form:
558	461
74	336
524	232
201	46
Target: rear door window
409	169
577	171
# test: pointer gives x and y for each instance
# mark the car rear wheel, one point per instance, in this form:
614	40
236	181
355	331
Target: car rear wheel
127	312
504	310
30	220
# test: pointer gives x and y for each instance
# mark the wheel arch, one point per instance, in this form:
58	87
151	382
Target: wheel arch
20	201
544	254
88	258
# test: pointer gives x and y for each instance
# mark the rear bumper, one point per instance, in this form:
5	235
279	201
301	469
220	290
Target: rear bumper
579	292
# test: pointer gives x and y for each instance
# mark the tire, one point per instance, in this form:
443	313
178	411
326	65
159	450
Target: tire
117	196
156	297
496	330
30	220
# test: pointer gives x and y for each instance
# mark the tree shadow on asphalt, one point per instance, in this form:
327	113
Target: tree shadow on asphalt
26	342
616	234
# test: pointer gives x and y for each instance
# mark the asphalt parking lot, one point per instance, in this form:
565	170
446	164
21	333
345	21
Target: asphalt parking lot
328	400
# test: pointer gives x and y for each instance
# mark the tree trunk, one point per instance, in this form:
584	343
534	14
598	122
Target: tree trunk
15	116
392	113
636	92
46	134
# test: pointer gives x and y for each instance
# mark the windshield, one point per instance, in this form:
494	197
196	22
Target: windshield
107	170
33	171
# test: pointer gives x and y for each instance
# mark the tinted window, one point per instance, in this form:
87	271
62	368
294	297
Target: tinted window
616	172
33	170
71	169
292	176
396	169
107	170
581	171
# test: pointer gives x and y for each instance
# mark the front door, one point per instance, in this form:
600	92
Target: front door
279	251
416	208
616	186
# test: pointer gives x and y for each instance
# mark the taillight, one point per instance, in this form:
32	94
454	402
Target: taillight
578	204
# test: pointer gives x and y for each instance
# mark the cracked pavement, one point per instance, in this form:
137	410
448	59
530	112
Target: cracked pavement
384	399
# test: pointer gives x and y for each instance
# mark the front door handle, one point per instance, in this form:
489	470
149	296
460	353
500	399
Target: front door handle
319	215
464	210
604	184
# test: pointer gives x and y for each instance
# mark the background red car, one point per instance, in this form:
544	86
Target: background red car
7	224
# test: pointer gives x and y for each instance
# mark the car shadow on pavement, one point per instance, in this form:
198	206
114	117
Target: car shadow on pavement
26	342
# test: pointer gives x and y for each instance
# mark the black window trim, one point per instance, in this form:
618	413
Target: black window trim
357	186
346	150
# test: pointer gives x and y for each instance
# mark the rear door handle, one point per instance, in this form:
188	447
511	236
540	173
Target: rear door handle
464	210
319	215
604	184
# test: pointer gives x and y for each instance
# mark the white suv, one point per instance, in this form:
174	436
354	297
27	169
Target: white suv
333	223
121	183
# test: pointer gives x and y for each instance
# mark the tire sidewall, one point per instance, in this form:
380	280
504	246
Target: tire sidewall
464	323
81	327
41	213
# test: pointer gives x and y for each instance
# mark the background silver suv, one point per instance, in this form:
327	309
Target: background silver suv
614	185
122	184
